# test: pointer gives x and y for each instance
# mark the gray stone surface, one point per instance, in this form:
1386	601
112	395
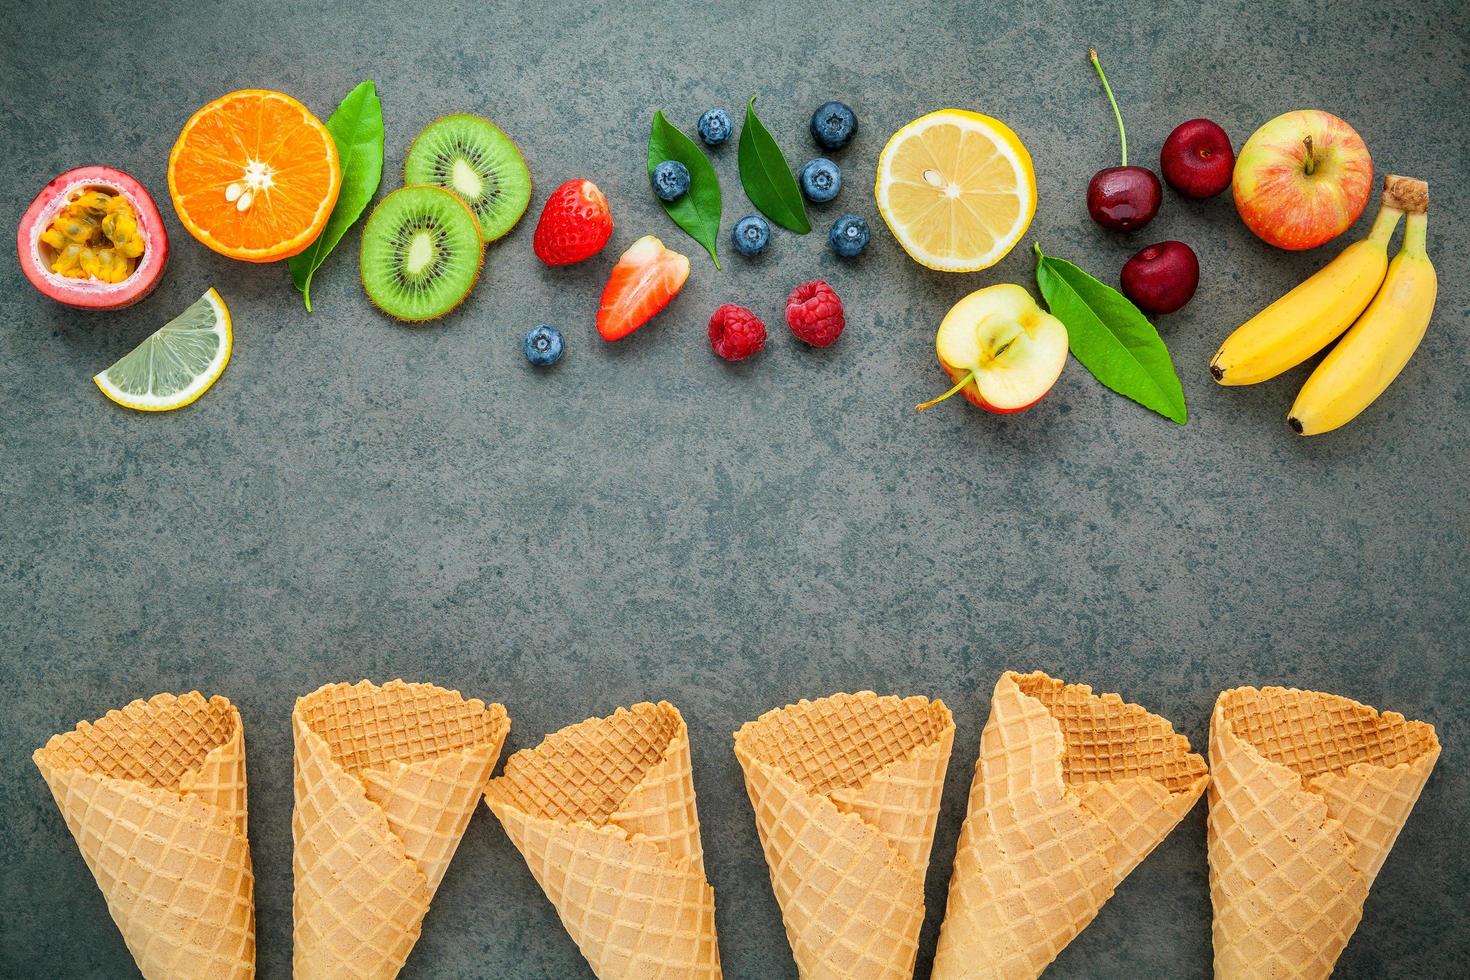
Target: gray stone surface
356	498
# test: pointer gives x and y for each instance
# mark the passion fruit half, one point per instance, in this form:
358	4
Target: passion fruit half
93	239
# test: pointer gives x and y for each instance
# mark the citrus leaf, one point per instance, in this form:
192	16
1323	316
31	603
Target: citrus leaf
357	129
1111	337
766	177
698	211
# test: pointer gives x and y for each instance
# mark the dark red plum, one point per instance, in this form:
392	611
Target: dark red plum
1197	159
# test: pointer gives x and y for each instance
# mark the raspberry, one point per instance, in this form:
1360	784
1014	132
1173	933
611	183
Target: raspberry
735	333
814	313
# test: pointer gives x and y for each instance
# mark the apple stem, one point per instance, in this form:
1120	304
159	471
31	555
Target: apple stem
935	401
1311	160
1122	133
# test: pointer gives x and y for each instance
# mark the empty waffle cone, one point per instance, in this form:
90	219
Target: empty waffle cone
386	780
1310	793
1071	791
154	794
846	793
603	812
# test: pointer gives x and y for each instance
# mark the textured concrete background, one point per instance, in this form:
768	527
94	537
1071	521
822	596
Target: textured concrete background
356	498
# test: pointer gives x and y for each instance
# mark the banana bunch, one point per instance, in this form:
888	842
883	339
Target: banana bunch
1390	302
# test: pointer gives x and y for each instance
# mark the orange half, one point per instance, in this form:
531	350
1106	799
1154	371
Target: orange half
254	175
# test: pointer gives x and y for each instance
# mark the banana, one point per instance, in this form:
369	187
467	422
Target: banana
1375	350
1315	313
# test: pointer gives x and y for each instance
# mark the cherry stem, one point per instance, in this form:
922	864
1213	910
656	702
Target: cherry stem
935	401
1122	133
1311	160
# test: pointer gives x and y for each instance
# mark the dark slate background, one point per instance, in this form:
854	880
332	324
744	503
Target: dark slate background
357	498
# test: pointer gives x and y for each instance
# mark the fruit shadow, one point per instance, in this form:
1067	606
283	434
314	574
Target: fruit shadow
100	337
1041	427
1265	407
564	290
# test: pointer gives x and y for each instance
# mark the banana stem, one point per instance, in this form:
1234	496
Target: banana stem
1384	223
1415	232
1122	133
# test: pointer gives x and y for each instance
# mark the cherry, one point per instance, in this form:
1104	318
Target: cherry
1121	198
1197	159
1161	278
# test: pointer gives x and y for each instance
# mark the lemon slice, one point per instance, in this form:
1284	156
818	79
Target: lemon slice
957	190
177	363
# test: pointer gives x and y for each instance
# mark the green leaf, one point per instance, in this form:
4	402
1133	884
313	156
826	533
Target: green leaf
1111	337
766	177
357	129
698	211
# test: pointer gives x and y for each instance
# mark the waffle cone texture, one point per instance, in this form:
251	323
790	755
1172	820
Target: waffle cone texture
386	780
846	794
1310	793
1071	791
603	812
154	794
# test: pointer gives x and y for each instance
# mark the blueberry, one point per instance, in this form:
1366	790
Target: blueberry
543	345
849	236
820	180
833	126
751	235
670	180
715	126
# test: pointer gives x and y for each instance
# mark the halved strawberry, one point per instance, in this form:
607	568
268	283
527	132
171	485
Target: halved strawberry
646	277
574	225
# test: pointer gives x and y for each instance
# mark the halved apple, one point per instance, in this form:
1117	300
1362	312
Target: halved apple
1002	350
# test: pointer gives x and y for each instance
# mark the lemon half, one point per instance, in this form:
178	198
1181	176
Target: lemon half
957	190
177	363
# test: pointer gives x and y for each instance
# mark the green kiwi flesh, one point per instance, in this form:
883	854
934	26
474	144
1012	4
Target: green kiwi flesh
470	156
421	253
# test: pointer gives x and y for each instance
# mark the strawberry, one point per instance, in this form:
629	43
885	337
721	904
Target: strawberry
574	225
646	277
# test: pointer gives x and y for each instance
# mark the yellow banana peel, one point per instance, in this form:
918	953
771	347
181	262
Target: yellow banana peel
1375	350
1312	315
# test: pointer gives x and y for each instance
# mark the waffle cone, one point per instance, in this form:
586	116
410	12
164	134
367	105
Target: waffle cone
154	794
1071	791
846	794
603	812
386	780
1310	793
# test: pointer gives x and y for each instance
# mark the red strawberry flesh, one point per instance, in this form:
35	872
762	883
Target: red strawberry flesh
646	278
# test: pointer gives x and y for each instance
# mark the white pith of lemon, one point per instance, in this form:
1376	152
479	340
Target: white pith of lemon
957	190
177	363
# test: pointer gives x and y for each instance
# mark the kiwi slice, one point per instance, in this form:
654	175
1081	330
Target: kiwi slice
421	253
470	156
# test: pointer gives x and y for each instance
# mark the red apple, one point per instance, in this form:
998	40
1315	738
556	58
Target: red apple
1302	179
1002	351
